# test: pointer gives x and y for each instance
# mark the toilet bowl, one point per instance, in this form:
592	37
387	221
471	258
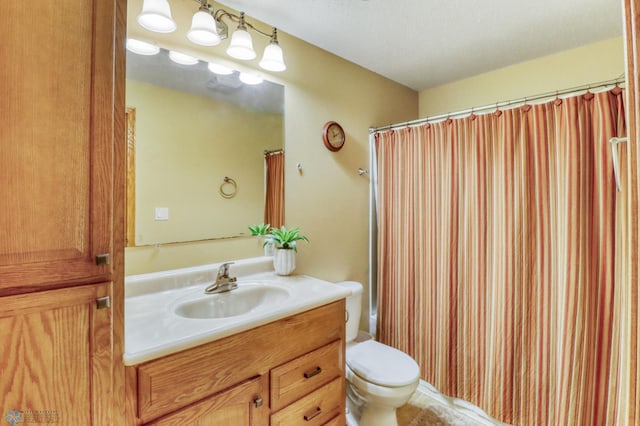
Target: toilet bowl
379	378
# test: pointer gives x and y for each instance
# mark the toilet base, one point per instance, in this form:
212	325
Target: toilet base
377	405
351	419
383	416
378	416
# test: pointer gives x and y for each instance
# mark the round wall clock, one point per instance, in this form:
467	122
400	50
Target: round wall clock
333	136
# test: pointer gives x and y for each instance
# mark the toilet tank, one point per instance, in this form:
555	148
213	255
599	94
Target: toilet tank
354	305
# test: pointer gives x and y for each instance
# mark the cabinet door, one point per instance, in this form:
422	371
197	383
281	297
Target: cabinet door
56	356
56	142
243	405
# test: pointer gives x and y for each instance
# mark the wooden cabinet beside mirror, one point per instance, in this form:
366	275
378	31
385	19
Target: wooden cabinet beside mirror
57	150
61	249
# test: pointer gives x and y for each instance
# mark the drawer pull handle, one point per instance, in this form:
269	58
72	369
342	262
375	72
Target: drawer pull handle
313	414
257	401
314	372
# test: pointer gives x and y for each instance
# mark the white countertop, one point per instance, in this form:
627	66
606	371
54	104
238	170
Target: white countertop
153	329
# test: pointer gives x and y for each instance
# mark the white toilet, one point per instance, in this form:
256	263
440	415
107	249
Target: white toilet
379	378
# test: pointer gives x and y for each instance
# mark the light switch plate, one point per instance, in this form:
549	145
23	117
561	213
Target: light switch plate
162	213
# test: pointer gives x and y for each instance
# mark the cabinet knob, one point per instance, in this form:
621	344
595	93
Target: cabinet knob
103	259
103	302
257	401
316	412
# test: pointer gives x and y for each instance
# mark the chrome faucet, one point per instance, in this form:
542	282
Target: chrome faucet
223	281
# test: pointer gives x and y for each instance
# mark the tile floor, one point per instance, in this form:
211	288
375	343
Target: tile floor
428	407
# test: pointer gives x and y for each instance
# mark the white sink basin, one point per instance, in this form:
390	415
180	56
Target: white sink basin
245	299
167	312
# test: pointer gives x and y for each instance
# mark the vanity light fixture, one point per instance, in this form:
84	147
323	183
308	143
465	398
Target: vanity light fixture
181	58
203	28
272	59
219	69
241	46
208	28
251	79
156	16
142	47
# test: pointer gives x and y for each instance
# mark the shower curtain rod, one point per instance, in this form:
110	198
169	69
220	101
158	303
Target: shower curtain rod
498	105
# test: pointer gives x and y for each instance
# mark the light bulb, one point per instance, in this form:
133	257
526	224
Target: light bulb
142	47
182	59
272	58
251	79
156	16
219	69
241	46
203	29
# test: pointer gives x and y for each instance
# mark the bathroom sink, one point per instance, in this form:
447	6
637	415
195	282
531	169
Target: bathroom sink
245	299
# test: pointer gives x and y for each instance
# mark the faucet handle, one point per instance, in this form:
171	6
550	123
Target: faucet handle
223	271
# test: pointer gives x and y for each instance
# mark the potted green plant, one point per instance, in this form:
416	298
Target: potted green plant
286	243
261	231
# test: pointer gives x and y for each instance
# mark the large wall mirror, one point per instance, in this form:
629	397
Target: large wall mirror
198	149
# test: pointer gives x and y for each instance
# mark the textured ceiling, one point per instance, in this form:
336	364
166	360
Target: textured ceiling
426	43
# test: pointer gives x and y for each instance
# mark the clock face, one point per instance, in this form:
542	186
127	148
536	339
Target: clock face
333	136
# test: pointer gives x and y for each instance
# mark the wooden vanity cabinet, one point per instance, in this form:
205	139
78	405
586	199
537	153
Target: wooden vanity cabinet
278	373
62	145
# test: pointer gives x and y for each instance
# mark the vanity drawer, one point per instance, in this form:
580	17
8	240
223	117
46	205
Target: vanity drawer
315	409
296	378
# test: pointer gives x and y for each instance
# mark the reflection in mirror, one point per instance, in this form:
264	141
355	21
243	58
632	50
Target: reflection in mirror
202	142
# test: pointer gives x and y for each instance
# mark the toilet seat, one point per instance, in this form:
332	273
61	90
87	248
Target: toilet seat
382	365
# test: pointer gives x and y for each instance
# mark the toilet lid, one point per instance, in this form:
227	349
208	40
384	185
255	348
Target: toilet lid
382	365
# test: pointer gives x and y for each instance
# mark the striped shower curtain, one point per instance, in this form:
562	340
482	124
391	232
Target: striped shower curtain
497	269
274	189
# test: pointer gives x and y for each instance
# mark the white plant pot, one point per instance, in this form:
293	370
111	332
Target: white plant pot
268	246
284	261
269	249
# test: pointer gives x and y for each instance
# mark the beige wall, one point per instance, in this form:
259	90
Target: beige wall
182	158
585	65
328	200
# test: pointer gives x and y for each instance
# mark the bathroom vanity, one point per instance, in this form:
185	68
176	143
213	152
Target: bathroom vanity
279	363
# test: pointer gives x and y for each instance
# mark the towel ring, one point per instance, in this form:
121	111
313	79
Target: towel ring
232	191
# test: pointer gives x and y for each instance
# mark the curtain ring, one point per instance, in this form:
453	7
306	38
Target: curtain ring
448	120
498	113
230	193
